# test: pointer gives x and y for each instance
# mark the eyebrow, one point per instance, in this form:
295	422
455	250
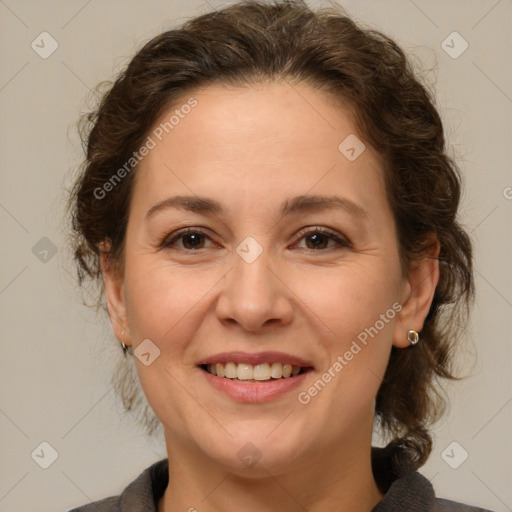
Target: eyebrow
299	204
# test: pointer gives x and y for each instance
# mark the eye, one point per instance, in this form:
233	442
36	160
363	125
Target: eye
192	239
319	237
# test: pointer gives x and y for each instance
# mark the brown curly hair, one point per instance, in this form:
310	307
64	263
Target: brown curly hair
256	41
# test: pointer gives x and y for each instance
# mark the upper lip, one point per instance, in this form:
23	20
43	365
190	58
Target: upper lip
256	358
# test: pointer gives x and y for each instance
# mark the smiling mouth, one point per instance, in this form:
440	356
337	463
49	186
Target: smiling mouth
244	372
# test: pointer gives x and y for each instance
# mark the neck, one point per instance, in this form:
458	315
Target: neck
341	481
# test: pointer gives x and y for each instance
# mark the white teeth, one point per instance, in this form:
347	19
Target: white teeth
259	372
220	370
245	371
276	370
230	370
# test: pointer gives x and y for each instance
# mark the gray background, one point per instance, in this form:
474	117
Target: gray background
57	355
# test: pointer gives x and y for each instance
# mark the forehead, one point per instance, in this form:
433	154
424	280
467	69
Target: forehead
256	143
245	122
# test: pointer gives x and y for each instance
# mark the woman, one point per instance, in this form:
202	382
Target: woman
267	200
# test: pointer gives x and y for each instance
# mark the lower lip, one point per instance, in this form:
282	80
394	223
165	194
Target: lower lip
254	391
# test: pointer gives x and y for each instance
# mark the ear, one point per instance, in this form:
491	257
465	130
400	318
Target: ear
419	288
113	280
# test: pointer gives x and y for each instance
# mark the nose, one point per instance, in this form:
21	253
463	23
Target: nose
254	294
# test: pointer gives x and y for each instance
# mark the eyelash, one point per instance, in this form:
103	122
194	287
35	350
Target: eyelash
342	242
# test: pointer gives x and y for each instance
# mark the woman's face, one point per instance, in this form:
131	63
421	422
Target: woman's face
270	272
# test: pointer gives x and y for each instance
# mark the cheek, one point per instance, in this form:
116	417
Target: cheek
165	305
163	301
351	299
357	309
166	301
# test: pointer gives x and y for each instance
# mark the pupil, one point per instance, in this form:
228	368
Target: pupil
195	237
317	239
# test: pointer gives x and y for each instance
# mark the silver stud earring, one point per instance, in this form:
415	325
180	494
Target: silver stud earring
126	348
413	337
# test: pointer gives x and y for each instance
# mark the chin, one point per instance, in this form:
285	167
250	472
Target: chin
259	449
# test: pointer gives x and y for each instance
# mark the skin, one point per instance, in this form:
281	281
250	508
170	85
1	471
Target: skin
251	149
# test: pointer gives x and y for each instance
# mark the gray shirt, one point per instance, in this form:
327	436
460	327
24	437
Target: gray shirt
405	490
